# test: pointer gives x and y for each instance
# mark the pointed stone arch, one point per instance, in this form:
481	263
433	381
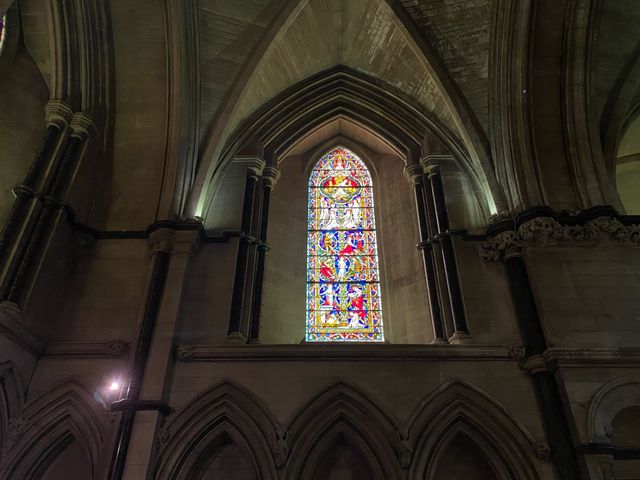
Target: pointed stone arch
49	424
344	93
343	413
11	400
227	413
460	408
451	103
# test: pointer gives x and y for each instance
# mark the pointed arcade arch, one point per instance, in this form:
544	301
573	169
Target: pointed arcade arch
458	408
64	415
343	415
11	399
226	414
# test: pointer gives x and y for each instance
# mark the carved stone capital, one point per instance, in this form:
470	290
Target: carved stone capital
270	176
413	173
57	113
254	164
431	162
536	364
81	125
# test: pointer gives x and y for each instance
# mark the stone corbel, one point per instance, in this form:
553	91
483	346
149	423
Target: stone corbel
168	240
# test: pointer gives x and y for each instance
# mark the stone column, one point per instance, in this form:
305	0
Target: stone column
145	402
255	166
52	199
415	177
443	236
58	115
270	176
554	414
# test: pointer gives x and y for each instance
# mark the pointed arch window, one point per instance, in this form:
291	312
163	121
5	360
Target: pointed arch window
343	280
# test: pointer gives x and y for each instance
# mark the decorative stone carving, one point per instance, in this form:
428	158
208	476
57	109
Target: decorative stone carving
163	435
540	230
281	452
406	452
117	348
517	353
185	351
112	349
15	428
543	451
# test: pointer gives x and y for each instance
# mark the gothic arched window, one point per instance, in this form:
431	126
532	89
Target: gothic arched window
343	281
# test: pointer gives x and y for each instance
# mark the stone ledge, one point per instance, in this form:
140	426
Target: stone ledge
585	357
205	353
111	349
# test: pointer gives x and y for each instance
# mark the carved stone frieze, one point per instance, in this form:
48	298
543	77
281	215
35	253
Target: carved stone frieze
540	231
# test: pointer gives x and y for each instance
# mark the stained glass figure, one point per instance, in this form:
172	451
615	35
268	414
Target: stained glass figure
343	281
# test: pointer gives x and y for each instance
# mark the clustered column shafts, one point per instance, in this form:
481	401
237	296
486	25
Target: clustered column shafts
57	115
448	256
254	170
25	191
414	173
269	178
161	260
50	200
547	391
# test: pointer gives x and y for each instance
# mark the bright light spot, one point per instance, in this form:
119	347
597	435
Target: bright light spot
114	386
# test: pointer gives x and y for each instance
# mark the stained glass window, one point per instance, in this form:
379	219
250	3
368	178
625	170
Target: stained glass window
3	20
343	282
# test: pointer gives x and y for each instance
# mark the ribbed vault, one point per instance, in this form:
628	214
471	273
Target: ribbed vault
345	93
375	39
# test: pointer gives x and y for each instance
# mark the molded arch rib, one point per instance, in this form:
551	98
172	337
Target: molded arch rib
459	408
342	92
50	423
346	415
225	414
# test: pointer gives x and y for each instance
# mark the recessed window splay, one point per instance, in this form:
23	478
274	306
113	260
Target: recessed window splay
343	281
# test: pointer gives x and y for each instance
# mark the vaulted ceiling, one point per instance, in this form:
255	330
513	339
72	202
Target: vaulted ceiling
448	57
